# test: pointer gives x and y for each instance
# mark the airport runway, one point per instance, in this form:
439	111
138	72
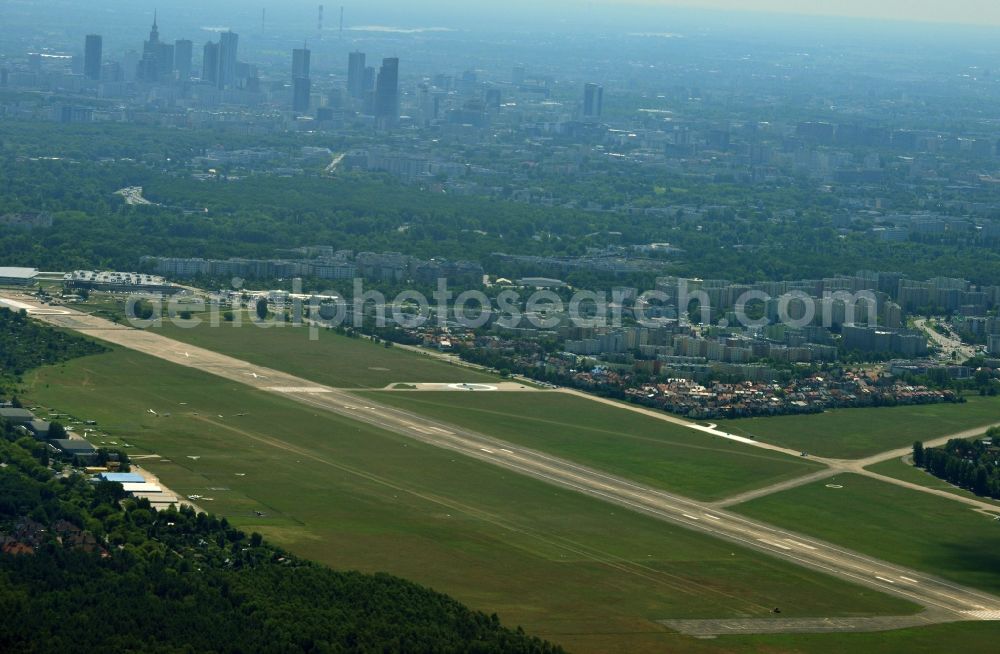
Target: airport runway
943	598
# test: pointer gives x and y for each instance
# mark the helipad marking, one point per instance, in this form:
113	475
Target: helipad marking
472	387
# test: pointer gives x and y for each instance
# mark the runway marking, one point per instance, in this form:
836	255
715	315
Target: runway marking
505	451
983	615
712	517
417	428
690	516
890	581
486	450
912	581
298	389
795	542
767	542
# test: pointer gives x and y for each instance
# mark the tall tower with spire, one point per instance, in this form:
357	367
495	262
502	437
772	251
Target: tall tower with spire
154	33
157	64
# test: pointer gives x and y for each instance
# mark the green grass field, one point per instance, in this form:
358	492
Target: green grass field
904	526
623	442
333	360
967	637
565	566
897	469
856	433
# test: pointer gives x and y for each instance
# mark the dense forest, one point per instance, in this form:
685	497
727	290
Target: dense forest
83	569
740	233
27	344
973	465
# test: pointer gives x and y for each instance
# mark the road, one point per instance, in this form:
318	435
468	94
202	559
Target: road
943	598
332	167
133	195
859	467
947	344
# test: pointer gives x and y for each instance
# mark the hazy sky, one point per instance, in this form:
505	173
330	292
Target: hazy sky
953	11
971	12
606	16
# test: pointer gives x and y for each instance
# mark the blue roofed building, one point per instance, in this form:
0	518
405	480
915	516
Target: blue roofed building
122	477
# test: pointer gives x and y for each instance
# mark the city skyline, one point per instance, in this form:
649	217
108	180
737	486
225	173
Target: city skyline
636	326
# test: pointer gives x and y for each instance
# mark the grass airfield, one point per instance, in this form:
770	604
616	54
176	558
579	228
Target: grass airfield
590	576
857	433
928	533
564	566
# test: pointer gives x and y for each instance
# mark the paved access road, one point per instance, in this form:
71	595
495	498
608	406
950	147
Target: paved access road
945	599
948	345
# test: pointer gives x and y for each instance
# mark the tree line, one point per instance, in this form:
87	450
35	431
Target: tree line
27	344
970	464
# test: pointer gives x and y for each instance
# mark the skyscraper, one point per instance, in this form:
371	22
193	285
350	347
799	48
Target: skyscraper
182	59
228	42
300	62
301	88
157	63
148	70
130	65
301	84
387	92
154	31
593	100
493	98
356	75
165	61
111	71
210	63
92	57
368	83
